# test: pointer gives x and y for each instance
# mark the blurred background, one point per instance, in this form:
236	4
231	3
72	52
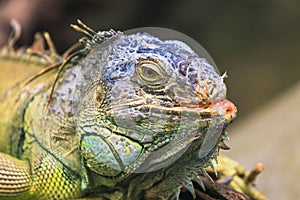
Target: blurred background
256	42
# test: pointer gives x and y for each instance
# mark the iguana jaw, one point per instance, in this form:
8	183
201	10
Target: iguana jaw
202	119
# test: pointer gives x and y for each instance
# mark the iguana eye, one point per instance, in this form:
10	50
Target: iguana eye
150	73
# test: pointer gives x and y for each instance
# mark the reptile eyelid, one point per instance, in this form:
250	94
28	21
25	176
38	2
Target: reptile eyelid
157	78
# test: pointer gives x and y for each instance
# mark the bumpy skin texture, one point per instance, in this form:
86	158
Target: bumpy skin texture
134	118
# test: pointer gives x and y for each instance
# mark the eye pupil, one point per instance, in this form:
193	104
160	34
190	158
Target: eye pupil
149	72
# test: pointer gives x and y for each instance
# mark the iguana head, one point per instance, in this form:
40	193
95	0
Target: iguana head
146	102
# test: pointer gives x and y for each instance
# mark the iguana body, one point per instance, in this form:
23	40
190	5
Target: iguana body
130	117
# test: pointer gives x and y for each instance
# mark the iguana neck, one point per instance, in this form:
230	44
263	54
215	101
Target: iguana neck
17	67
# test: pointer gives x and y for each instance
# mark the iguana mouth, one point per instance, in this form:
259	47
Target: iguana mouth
161	122
221	107
206	111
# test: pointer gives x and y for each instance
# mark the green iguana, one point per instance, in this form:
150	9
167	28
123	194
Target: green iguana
126	116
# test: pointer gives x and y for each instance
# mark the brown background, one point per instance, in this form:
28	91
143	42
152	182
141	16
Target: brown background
256	42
